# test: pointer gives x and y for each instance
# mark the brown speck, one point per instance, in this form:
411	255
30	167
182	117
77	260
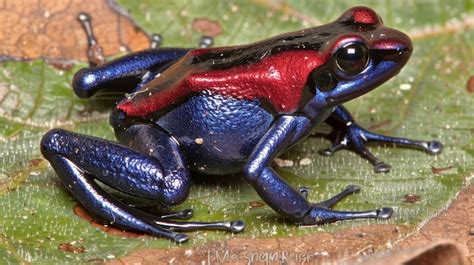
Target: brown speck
439	170
255	204
61	64
411	198
207	27
199	141
68	247
471	231
470	85
36	162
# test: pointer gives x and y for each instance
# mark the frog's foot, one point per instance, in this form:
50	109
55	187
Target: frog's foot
353	137
165	220
321	213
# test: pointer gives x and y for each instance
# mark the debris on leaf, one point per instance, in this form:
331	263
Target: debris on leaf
207	27
470	85
411	198
61	64
37	162
68	247
256	204
439	170
305	161
283	162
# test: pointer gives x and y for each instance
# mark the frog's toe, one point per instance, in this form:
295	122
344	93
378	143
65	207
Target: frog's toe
382	167
304	191
180	215
434	147
331	202
237	226
336	146
318	215
384	213
181	238
321	213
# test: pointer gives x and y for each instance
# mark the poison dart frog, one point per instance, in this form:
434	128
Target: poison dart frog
224	110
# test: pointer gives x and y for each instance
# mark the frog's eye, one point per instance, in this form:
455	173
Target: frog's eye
352	58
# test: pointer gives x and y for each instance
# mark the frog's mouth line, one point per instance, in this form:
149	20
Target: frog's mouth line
339	98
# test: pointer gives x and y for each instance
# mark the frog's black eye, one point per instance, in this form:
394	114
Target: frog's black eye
352	58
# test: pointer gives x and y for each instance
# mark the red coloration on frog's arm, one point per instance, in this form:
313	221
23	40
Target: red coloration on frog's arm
364	16
278	79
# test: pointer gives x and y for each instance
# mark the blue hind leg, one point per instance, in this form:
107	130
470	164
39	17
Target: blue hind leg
151	168
347	134
125	74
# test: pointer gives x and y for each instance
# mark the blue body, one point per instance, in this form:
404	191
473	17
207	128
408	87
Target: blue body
228	128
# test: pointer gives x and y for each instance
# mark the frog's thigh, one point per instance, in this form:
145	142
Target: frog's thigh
121	167
153	141
80	159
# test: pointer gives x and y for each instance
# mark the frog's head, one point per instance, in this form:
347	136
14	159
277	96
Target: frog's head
361	54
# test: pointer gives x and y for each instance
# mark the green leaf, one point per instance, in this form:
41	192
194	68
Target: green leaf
427	100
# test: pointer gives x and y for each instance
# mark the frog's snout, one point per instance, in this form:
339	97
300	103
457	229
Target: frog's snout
397	47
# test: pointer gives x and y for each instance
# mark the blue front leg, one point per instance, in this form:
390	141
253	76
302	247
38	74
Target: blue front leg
278	194
126	74
347	134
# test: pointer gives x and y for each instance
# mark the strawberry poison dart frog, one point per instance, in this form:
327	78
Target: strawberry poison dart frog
224	110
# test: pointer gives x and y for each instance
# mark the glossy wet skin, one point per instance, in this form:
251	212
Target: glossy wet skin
227	97
227	110
223	70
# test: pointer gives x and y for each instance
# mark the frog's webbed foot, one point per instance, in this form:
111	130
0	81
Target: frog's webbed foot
347	134
321	213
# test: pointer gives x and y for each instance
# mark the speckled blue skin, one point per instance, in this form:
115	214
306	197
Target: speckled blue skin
229	128
214	134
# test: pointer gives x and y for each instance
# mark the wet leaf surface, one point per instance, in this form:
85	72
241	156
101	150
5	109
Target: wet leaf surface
427	100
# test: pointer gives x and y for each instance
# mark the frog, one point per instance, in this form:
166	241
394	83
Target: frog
227	110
